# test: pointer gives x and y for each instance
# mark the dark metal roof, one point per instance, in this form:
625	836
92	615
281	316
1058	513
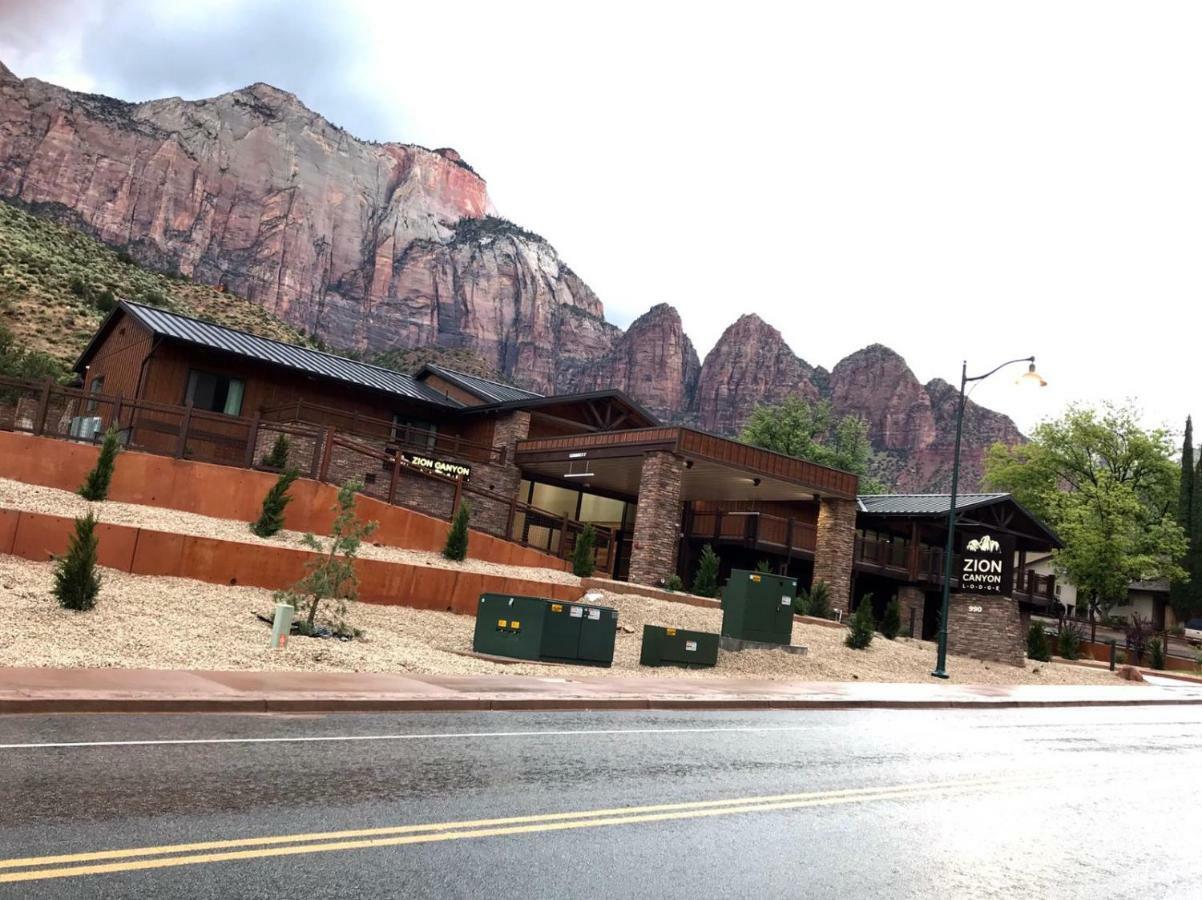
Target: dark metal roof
486	389
922	504
313	362
538	402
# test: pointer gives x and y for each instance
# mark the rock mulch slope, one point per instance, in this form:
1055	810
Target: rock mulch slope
145	622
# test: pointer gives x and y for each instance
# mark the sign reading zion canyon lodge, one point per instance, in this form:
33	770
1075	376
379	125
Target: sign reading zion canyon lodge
986	564
441	466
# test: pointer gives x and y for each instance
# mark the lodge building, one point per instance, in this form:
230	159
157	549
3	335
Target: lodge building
534	468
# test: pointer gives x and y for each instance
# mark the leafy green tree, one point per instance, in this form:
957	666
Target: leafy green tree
812	431
76	581
861	625
1109	488
584	560
705	582
271	518
331	575
457	537
96	485
891	622
17	362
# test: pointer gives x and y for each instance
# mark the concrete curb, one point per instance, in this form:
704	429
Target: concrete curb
242	705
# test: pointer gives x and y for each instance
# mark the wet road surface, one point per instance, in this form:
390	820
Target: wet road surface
1064	802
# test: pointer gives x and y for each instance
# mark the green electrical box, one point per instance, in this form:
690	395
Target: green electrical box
510	626
677	647
536	628
758	606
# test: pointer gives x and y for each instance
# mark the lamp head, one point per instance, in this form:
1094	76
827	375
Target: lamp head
1031	378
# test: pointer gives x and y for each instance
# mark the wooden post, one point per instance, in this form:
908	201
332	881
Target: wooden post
458	497
396	475
717	524
789	543
252	441
513	511
115	415
563	537
326	454
181	445
613	553
915	543
39	423
319	442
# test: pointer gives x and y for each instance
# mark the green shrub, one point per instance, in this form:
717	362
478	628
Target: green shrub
764	566
76	582
705	582
456	546
277	456
814	602
1037	643
584	560
1198	658
673	583
271	518
1068	642
1156	653
861	625
891	623
96	485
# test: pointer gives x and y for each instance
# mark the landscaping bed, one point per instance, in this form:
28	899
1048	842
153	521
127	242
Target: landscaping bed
171	623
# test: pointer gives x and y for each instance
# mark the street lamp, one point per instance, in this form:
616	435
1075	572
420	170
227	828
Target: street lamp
1030	378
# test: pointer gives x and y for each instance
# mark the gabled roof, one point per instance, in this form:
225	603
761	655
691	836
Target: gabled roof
486	389
642	418
922	504
176	327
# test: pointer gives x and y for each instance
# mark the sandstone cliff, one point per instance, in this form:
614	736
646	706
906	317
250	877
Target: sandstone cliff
381	248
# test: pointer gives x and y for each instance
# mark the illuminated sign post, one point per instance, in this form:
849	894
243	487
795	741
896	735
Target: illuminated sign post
986	564
439	466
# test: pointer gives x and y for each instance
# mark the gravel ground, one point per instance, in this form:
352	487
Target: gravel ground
173	623
35	498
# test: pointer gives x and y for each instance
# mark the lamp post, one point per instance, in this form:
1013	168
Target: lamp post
1030	378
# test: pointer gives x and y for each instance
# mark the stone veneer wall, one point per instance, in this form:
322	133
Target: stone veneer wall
835	549
913	601
657	519
986	627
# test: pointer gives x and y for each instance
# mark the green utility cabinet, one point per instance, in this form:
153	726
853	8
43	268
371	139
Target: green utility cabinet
677	647
758	606
537	628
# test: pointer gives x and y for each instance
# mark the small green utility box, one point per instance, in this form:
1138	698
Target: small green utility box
758	606
538	628
677	647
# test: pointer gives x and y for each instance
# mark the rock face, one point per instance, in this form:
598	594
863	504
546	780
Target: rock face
389	247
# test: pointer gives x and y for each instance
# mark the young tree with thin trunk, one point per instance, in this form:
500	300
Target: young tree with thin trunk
96	485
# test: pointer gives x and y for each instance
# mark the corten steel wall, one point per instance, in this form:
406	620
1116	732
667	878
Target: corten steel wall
140	551
230	493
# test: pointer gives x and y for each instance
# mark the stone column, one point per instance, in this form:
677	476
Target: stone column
487	515
986	627
912	600
833	554
657	519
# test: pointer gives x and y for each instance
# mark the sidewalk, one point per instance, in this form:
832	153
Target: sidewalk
143	690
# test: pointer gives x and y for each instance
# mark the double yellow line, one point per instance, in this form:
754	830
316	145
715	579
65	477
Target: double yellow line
34	868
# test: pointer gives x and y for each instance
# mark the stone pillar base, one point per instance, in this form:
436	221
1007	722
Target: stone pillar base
657	519
986	627
835	548
913	601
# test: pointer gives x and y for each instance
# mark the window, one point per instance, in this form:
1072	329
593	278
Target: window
96	387
215	393
413	432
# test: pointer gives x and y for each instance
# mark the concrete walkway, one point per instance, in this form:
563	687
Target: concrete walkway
28	690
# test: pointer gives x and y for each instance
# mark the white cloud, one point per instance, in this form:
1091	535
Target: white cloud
951	179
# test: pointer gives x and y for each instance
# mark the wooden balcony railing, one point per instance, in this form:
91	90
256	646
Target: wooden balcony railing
760	531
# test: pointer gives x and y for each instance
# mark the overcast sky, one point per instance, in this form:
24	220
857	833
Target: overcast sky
952	179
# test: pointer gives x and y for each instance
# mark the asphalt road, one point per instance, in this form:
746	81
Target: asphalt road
1036	803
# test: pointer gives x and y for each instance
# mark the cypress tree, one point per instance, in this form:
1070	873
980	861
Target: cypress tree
456	546
277	457
583	558
705	582
861	625
1193	594
76	583
891	623
1182	594
96	484
271	519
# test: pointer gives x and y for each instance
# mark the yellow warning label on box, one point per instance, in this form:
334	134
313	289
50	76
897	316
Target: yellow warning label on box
515	624
755	578
501	623
670	630
556	607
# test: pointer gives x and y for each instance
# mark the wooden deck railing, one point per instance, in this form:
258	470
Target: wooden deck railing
759	531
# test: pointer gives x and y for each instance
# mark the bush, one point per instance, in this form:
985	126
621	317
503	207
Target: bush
456	546
331	576
584	560
1068	643
277	456
76	582
673	583
814	602
861	625
1156	653
891	623
1037	643
764	566
271	519
1198	658
705	582
96	485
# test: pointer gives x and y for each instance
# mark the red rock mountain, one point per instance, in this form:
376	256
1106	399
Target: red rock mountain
379	247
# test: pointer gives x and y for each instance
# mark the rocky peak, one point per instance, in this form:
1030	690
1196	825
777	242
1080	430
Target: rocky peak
876	384
749	365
